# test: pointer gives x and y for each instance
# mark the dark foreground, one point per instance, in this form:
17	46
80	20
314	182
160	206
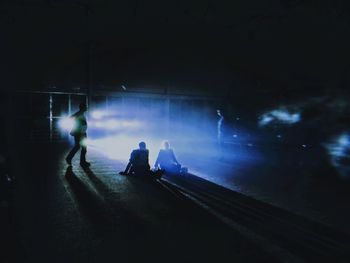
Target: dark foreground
95	215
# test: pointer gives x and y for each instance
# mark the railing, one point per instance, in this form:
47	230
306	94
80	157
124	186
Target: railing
42	122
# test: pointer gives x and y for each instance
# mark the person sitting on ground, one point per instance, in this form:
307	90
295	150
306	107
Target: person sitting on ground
138	163
166	160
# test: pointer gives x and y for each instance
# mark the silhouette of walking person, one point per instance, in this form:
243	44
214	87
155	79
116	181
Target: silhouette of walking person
79	133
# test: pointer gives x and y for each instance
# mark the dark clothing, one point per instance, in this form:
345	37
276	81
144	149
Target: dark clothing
78	142
167	161
139	157
138	163
79	132
80	124
172	168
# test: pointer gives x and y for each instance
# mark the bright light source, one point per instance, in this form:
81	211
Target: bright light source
84	142
114	124
98	114
339	153
266	119
282	116
111	124
66	124
119	147
343	140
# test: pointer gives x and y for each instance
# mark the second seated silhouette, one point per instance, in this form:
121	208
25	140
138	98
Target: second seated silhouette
167	161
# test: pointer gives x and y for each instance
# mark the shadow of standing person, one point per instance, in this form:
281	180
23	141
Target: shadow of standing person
90	204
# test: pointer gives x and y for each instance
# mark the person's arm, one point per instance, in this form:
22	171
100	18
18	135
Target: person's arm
173	156
157	161
148	160
132	156
74	115
128	166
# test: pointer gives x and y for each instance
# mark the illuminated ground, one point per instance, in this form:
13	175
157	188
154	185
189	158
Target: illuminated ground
99	216
299	180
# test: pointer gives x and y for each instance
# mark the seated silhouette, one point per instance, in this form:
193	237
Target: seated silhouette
167	161
138	163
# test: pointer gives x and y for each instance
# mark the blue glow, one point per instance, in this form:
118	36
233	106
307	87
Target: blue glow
66	123
339	152
115	124
119	147
266	119
280	116
191	131
343	140
98	114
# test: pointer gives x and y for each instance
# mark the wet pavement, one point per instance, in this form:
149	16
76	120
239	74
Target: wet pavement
96	215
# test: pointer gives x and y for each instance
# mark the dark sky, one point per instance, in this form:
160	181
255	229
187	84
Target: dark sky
271	45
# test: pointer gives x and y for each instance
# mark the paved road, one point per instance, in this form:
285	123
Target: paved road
95	215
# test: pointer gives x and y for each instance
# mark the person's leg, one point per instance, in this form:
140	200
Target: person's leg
171	168
74	150
82	143
83	154
140	170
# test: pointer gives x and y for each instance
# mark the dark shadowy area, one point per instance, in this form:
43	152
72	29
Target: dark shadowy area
69	214
156	71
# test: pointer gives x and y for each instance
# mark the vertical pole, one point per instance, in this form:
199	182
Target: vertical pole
87	100
50	105
89	74
69	105
69	111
